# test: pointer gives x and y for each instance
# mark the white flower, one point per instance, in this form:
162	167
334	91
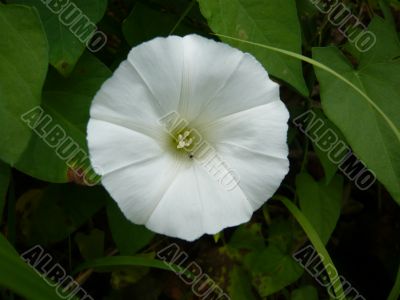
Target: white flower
154	170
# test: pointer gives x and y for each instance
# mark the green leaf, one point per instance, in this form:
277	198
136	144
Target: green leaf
118	262
240	285
5	173
272	270
271	22
19	277
247	236
316	242
395	292
23	67
67	102
330	168
127	276
65	47
282	233
129	237
320	203
271	267
91	245
370	124
52	214
307	292
145	23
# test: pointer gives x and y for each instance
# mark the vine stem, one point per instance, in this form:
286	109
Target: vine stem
316	242
183	16
319	65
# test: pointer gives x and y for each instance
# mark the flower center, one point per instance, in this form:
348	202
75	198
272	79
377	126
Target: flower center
184	140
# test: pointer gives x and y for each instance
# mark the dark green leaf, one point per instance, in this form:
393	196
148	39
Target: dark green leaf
240	285
90	245
52	214
5	173
282	234
65	47
330	168
127	276
129	237
67	102
271	22
20	278
320	203
145	23
305	293
272	270
370	126
118	262
23	67
247	237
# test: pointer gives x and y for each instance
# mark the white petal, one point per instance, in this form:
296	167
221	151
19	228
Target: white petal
222	80
253	144
113	147
144	88
159	64
196	203
139	187
125	101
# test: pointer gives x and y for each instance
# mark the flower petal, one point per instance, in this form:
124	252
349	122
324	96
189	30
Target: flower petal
113	147
222	80
159	64
125	101
196	203
139	187
253	144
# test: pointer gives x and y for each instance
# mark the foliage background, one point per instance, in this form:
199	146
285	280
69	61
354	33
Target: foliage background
41	62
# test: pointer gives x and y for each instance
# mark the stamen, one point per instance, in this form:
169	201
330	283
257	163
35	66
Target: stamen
183	140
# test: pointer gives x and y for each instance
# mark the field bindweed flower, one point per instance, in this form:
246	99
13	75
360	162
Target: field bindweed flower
190	135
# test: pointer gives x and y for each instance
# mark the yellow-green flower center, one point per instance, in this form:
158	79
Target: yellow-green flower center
184	140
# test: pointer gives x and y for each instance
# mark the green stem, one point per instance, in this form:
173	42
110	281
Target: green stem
134	261
327	69
183	16
395	293
316	242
